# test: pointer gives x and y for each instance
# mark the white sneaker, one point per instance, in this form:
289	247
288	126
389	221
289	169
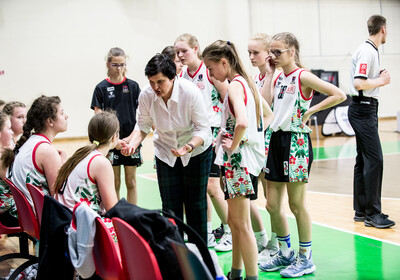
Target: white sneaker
225	243
267	253
211	240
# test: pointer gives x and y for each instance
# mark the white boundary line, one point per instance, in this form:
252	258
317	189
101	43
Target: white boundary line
344	230
348	195
146	176
352	157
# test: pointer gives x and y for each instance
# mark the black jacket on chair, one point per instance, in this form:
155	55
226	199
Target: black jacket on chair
54	261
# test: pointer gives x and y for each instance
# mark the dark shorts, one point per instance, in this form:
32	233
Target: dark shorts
289	157
117	159
215	170
8	220
254	182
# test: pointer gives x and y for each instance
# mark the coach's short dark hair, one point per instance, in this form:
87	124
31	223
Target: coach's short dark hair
161	64
375	23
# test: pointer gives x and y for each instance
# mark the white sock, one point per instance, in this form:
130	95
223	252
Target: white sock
274	240
227	229
305	248
285	245
209	227
262	238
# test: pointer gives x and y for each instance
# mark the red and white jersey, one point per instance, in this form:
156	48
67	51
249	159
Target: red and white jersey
211	96
289	104
24	169
81	187
259	81
252	148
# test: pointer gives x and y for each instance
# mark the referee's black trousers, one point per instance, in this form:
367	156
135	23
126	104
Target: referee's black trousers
368	170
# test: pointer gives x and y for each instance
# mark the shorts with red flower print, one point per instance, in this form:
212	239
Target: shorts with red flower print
110	226
237	182
288	156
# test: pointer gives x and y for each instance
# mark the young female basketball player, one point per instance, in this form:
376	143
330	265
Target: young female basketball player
17	112
8	213
239	150
88	175
258	46
289	149
171	52
121	95
34	159
188	50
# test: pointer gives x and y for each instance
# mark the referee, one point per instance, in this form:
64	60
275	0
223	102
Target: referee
366	79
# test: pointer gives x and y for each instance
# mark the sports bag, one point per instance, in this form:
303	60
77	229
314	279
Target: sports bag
156	227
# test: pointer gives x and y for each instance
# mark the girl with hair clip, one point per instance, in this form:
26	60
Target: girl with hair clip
34	159
258	46
88	175
171	52
17	112
120	94
8	213
240	150
289	149
213	91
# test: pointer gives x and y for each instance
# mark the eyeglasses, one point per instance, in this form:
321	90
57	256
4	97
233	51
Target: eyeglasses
277	53
115	65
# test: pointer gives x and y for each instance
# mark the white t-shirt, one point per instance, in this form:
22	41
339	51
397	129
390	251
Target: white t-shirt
365	65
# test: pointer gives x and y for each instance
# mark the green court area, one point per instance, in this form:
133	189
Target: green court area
349	150
336	253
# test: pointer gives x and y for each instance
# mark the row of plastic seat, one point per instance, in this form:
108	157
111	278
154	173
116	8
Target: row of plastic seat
29	227
132	258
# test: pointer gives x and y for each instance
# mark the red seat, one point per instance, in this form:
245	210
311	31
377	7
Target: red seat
138	260
26	216
38	199
29	225
107	258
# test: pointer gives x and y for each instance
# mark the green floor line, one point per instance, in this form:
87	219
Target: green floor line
349	150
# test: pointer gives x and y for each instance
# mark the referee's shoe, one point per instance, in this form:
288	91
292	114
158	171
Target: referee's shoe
379	221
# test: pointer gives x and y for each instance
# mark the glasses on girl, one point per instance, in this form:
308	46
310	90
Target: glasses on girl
115	65
277	53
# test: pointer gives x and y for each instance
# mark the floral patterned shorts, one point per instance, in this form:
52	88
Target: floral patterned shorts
288	156
110	226
237	182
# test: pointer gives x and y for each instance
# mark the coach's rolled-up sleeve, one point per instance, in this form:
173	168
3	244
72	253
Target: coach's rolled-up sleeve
201	125
145	121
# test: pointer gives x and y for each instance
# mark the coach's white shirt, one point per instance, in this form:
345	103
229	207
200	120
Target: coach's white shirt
176	122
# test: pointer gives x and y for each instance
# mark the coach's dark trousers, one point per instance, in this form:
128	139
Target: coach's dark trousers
368	170
186	186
